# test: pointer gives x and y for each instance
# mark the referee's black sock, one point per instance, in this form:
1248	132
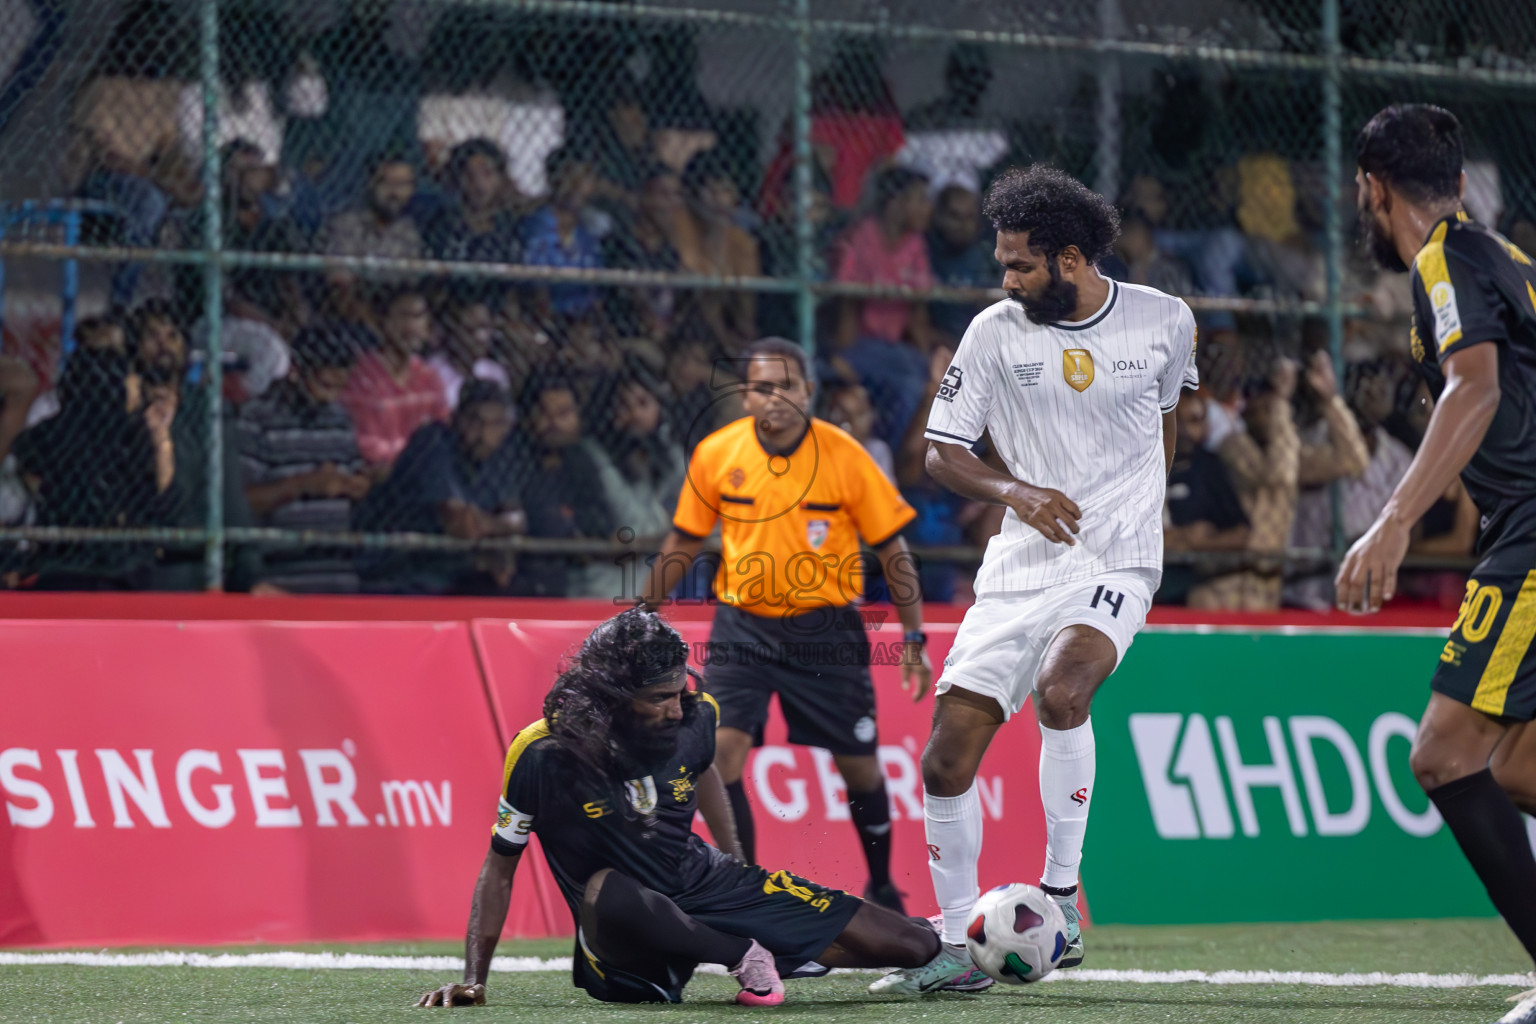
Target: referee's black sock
746	831
627	920
871	814
1492	835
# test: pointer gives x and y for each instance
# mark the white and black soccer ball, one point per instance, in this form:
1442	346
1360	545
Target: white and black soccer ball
1016	934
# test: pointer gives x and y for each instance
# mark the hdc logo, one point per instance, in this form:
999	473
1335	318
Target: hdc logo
1190	798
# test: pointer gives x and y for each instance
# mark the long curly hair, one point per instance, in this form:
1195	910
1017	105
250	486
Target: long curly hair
634	649
1055	209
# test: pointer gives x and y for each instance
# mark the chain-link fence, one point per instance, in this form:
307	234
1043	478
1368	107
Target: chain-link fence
437	297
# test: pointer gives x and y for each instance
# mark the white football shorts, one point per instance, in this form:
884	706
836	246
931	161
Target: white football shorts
1003	638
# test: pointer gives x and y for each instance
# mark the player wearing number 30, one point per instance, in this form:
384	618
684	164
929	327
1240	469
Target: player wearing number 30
1075	378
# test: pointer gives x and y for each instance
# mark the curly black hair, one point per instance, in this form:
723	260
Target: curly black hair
1055	209
632	650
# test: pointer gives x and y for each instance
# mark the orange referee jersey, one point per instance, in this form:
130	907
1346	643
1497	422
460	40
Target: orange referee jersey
790	523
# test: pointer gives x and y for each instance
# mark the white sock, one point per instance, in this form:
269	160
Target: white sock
1066	789
953	828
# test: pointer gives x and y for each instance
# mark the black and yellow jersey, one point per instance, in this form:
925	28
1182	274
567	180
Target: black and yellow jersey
642	827
1471	286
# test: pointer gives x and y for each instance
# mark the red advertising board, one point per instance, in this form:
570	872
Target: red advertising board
211	782
799	800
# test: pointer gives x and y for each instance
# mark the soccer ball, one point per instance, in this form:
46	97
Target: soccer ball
1017	934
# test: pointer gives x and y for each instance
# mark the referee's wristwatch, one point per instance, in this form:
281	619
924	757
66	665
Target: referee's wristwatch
915	636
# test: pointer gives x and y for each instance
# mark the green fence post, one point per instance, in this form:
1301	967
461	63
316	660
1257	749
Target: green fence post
804	239
1333	169
213	298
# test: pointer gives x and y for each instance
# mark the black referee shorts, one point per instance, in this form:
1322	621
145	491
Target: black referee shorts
818	664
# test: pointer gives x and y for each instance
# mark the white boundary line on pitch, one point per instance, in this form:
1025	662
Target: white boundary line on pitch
526	964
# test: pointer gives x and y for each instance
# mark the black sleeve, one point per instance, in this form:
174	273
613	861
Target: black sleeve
1222	503
1456	295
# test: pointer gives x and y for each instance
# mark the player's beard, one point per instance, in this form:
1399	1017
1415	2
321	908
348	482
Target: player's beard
1056	301
1378	242
646	747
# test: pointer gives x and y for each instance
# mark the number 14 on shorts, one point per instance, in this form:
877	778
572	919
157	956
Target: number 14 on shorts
1109	599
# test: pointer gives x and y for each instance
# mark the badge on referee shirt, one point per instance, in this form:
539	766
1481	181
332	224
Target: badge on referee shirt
816	532
1077	368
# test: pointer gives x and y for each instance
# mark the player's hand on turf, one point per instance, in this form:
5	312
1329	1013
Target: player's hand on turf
1368	576
1052	513
451	995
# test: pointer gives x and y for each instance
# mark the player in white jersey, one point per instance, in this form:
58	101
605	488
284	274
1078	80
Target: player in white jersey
1075	379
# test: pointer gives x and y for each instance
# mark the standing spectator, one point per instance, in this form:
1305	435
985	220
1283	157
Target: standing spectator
382	228
458	480
469	332
480	222
709	241
562	489
643	241
959	258
1204	514
392	391
302	469
886	341
1263	462
554	235
623	152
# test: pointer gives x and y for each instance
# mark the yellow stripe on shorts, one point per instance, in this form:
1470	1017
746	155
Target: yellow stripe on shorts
1514	641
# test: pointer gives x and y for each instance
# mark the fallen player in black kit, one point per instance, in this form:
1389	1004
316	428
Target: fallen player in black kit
609	780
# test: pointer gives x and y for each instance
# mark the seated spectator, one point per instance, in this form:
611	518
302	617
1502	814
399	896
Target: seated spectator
255	219
1278	248
381	228
587	353
960	257
301	466
469	332
639	455
1137	260
254	333
562	491
523	344
848	406
96	333
392	391
18	392
158	380
479	223
643	241
886	341
709	242
1204	514
1350	446
704	394
555	236
457	479
1262	460
107	459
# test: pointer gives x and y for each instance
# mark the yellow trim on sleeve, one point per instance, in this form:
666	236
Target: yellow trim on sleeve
521	742
1532	293
712	703
1432	268
1514	641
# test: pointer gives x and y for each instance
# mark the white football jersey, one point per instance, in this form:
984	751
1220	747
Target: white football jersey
1077	407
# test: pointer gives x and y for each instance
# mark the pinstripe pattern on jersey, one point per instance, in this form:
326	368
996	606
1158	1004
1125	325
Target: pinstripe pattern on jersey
1101	446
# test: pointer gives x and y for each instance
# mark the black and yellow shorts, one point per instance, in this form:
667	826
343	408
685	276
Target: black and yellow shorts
1487	662
793	918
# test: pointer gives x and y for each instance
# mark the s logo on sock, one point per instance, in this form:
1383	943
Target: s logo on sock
933	852
1079	798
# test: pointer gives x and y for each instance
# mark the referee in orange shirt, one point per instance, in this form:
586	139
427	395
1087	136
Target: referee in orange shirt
794	496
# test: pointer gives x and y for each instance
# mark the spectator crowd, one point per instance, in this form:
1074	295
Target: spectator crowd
427	403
